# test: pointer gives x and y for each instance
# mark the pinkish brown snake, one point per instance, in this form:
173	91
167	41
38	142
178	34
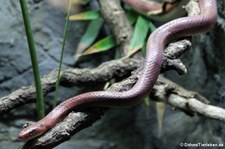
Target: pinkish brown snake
177	28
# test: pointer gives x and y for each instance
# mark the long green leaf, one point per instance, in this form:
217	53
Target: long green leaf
89	15
89	36
152	27
40	99
132	16
147	106
140	34
102	45
61	55
160	109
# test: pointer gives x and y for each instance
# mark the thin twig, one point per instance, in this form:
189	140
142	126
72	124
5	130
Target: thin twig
61	54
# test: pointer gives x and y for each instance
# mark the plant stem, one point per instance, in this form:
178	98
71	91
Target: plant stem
61	55
40	100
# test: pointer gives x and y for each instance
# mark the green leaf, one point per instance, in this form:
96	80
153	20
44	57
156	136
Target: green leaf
132	16
143	49
147	103
100	46
152	27
89	15
139	37
89	36
160	109
61	55
81	2
39	93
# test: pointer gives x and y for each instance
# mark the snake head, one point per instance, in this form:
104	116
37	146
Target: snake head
31	132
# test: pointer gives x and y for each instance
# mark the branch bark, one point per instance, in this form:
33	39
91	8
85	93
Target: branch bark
190	102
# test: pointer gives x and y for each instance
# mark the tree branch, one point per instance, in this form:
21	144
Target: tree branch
190	102
70	77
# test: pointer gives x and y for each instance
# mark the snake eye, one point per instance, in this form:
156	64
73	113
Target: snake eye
27	124
33	132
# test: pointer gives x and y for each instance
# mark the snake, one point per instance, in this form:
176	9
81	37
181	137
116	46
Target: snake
181	27
159	12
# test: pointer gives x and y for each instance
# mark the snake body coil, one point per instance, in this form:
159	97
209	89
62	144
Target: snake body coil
156	43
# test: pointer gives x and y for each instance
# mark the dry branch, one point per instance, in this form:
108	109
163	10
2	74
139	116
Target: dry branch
85	77
70	77
190	102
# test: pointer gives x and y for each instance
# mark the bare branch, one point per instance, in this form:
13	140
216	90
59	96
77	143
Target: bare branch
70	77
75	122
190	102
118	23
